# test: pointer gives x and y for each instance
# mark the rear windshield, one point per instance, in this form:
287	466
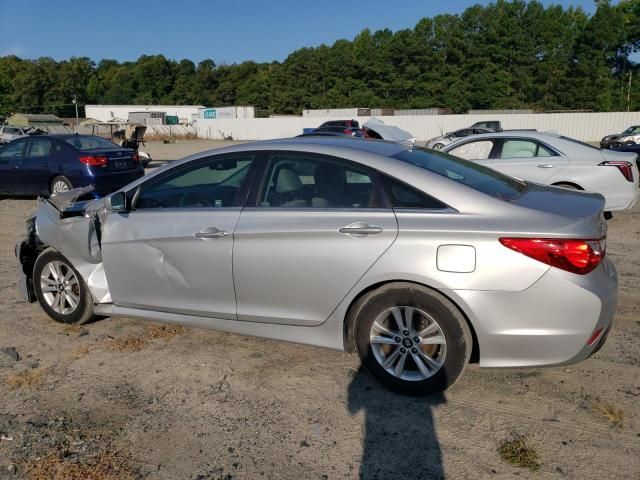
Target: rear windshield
462	171
573	140
89	143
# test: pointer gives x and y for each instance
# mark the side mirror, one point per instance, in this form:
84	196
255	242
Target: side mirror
117	202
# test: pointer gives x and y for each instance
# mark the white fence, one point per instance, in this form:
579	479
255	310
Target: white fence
589	127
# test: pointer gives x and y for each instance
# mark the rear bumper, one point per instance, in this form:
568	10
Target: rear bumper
547	324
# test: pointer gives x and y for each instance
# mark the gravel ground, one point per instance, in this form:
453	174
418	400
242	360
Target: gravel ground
123	398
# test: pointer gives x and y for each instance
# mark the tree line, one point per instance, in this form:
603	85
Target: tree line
503	55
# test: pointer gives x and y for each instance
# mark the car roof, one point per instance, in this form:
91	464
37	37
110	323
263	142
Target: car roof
378	147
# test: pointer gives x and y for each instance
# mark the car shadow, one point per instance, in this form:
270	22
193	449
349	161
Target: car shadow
400	439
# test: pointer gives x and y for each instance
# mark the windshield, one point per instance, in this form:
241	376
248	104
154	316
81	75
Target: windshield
81	142
471	174
632	130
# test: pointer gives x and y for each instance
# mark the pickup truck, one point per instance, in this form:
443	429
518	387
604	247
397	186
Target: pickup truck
9	133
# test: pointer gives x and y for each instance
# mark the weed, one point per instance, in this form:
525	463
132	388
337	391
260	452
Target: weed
105	466
516	451
127	344
612	413
164	331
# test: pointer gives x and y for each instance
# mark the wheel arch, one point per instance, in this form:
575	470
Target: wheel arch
569	184
350	316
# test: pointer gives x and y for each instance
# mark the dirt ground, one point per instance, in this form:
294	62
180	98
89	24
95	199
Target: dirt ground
123	398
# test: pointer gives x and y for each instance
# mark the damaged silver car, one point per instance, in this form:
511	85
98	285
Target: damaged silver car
418	260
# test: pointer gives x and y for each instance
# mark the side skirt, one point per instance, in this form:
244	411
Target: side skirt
328	334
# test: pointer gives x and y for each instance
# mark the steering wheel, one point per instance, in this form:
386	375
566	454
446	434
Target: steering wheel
194	199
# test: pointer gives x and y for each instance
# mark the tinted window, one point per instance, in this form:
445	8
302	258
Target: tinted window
296	180
11	131
40	147
81	142
479	150
462	171
212	184
402	195
12	151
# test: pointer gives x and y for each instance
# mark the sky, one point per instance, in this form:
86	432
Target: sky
225	31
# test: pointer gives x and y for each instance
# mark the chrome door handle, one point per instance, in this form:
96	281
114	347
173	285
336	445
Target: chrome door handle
211	232
546	165
360	228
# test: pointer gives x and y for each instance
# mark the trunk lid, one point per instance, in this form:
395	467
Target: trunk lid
585	211
118	159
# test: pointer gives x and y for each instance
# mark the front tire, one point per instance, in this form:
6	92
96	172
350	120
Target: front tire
438	146
411	338
60	289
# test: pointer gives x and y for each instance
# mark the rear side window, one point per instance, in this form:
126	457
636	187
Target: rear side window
299	180
471	174
520	148
402	195
40	147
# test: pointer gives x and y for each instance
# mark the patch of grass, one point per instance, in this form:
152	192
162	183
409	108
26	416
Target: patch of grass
26	378
80	351
516	451
164	331
613	414
127	344
105	466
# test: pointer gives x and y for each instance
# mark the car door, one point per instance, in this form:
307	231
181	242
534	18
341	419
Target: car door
10	157
172	251
527	159
317	224
36	165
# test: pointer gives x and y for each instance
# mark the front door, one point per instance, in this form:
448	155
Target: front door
10	157
37	165
172	251
317	226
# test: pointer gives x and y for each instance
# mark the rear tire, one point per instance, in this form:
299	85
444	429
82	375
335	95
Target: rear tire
438	146
60	289
421	357
60	184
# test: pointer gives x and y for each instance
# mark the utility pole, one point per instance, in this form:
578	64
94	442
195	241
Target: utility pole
75	102
629	91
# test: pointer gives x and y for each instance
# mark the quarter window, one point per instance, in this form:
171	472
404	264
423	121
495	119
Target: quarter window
211	184
300	181
402	195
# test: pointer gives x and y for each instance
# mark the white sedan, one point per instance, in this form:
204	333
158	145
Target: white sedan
553	159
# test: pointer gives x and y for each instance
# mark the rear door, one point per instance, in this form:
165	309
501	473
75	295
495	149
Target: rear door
172	252
317	224
10	157
527	159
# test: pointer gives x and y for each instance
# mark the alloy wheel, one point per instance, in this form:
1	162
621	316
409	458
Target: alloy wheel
60	287
408	343
60	186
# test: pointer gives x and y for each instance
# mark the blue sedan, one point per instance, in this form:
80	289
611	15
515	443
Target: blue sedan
45	164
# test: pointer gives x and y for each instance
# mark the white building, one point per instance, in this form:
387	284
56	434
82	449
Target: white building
110	113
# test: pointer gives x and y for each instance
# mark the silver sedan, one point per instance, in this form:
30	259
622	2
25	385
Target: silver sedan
415	259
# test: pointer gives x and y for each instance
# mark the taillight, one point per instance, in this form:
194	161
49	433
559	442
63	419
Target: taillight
575	256
135	157
94	161
346	131
624	167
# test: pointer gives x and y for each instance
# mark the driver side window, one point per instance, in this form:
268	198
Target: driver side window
215	183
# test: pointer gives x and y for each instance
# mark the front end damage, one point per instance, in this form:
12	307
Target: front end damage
72	228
